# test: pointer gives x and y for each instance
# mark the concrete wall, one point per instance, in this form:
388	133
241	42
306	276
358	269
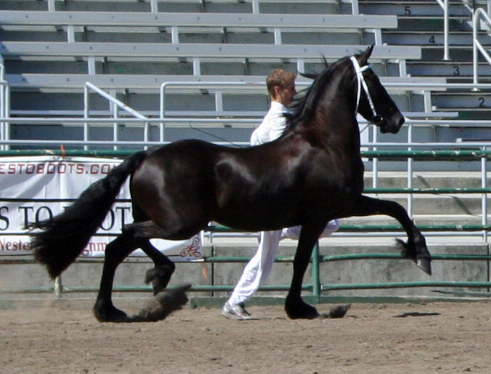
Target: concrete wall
226	274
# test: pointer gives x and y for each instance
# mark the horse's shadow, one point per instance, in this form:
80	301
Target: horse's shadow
417	314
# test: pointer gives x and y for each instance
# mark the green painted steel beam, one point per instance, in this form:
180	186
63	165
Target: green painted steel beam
367	286
398	256
195	288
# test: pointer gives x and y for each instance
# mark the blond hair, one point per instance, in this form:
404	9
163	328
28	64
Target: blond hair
279	77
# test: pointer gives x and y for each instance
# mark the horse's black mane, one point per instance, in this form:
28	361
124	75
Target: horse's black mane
304	104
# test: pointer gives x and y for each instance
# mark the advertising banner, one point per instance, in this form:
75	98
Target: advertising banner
37	188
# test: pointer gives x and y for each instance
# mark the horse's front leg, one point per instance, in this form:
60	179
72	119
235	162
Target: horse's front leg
295	307
415	248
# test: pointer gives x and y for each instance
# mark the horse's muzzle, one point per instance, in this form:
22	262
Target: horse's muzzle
392	126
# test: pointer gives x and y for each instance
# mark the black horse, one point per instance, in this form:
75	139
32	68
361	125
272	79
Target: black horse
312	174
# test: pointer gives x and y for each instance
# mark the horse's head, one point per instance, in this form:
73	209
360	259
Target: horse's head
373	101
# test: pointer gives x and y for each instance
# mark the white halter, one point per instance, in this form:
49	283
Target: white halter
361	82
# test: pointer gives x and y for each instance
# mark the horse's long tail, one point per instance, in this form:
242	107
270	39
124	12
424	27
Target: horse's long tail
65	236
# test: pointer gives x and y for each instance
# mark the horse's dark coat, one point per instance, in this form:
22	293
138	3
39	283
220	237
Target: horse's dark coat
309	176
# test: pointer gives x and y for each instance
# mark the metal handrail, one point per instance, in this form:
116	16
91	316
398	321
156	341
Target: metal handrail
444	5
479	14
117	103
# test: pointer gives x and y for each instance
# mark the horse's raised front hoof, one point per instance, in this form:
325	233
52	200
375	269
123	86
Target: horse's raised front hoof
424	263
298	309
109	313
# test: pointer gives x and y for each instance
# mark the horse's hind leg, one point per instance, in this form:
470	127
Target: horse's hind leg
161	274
115	253
164	268
415	248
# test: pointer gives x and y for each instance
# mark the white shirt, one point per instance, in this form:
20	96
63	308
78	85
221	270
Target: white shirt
272	126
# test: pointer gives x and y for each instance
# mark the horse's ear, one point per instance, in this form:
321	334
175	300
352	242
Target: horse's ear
366	55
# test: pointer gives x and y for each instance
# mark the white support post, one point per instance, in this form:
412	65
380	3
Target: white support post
70	34
114	109
91	65
402	68
174	34
301	66
355	9
377	33
86	114
51	5
277	36
196	67
219	101
446	55
255	7
154	6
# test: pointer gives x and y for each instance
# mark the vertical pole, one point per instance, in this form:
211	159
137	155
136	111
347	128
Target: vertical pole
375	159
86	115
255	6
114	109
484	184
410	172
484	201
355	9
445	31
58	288
316	284
475	62
154	6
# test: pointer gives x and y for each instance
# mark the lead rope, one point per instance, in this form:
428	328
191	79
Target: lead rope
361	82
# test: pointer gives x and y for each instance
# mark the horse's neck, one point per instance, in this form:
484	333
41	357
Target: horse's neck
337	125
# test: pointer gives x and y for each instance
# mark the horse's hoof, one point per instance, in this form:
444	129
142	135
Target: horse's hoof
300	310
110	314
424	264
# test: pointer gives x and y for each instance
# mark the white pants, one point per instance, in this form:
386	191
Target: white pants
258	268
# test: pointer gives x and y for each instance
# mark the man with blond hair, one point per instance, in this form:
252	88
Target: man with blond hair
281	89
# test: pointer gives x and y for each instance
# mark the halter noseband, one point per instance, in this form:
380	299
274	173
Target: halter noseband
376	119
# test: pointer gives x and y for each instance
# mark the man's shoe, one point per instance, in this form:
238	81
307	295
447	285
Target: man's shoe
236	312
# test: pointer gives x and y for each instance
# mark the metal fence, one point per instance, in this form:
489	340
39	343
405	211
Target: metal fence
318	288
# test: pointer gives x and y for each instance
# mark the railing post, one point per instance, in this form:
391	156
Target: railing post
446	55
475	17
476	45
444	5
484	202
58	288
316	283
410	171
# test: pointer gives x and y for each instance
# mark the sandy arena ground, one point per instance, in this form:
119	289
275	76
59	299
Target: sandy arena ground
372	339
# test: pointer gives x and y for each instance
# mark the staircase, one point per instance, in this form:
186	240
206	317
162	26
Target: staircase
422	23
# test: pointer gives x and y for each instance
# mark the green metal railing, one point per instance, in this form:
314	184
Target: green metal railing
317	287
